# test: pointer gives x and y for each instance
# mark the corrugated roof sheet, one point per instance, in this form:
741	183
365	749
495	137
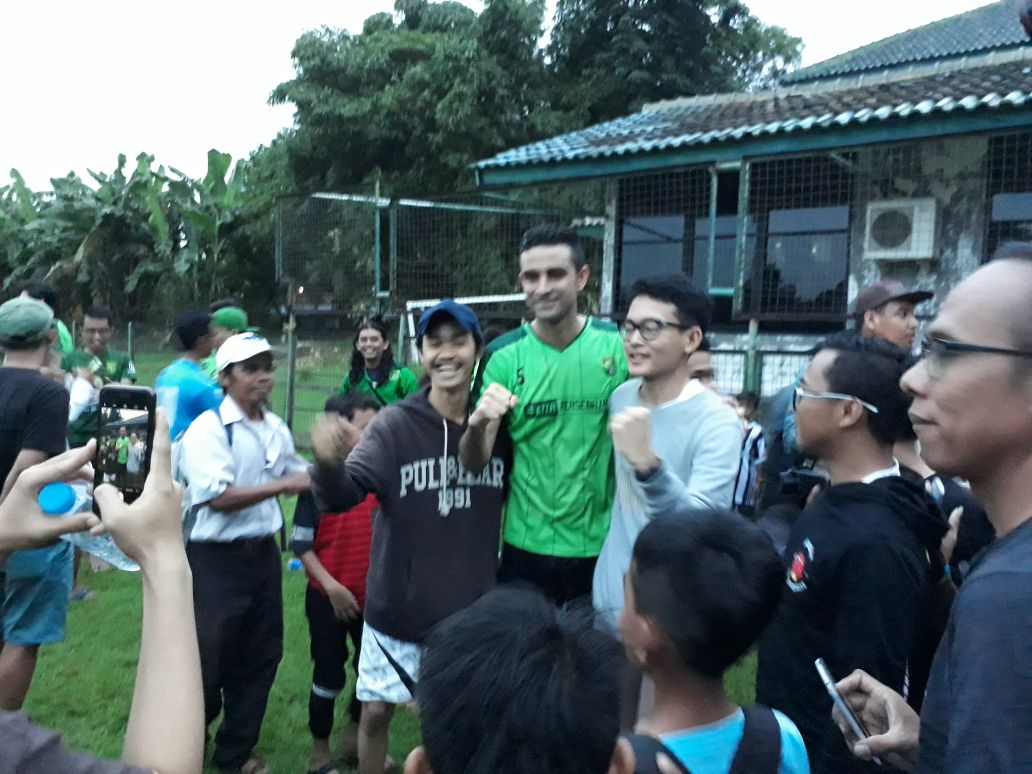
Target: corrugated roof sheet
992	27
735	117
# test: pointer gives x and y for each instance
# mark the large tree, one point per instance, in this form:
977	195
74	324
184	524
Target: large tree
421	93
417	96
611	56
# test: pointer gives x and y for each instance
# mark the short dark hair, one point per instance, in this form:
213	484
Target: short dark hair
42	292
748	398
871	369
515	685
349	405
710	580
222	303
692	305
98	313
553	234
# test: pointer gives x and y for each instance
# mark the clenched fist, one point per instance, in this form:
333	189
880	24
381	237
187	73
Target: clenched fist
494	404
630	429
333	438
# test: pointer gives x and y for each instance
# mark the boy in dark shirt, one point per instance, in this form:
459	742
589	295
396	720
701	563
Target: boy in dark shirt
334	549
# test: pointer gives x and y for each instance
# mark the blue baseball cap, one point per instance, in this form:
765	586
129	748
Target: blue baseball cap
463	316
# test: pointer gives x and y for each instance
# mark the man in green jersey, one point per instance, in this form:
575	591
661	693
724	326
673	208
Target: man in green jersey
122	444
547	385
98	364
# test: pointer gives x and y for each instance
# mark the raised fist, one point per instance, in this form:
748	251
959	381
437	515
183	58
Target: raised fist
494	404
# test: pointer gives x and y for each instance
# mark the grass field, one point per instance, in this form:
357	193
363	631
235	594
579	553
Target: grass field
83	686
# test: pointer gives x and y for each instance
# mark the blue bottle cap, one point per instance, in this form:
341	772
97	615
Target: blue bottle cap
57	498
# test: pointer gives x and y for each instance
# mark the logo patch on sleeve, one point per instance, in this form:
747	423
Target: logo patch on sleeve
797	572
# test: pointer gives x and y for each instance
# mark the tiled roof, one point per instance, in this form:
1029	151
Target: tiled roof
730	118
992	27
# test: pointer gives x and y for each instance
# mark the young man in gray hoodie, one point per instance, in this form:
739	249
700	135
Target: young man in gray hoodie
676	443
435	539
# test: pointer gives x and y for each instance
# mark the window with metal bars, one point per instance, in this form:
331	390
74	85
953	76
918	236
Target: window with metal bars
799	265
1009	189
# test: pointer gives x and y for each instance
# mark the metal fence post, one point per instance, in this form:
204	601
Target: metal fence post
129	343
291	356
606	300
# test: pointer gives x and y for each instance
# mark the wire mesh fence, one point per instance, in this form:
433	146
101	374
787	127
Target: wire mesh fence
343	258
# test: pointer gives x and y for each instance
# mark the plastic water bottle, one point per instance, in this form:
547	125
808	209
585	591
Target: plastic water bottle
60	499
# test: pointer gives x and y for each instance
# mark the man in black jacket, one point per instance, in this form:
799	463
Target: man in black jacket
972	410
860	556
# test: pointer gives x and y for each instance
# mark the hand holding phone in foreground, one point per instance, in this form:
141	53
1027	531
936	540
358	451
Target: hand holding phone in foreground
892	723
22	523
150	528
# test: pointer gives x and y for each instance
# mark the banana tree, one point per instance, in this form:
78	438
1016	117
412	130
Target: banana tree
205	212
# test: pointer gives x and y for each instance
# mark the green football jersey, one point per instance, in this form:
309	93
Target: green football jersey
113	367
561	485
399	383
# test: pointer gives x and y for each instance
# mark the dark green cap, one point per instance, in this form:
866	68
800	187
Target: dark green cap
24	323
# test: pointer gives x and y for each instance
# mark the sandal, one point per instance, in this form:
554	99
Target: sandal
326	768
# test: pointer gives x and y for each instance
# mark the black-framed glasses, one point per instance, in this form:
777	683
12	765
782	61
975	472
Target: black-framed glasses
649	328
936	353
802	392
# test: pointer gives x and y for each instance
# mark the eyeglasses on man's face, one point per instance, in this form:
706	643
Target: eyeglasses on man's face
802	392
649	328
937	353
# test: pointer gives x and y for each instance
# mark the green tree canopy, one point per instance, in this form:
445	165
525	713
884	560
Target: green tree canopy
417	96
609	57
420	94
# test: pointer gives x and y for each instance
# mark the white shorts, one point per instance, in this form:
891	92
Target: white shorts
378	679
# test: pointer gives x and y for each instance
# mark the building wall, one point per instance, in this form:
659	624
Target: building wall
953	172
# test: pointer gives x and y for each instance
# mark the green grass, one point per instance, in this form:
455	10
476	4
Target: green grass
84	686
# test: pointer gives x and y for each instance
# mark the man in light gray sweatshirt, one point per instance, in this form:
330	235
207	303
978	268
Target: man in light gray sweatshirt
676	444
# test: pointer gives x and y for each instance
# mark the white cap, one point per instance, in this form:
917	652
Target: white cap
238	348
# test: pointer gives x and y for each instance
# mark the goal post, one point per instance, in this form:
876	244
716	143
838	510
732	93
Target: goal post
407	323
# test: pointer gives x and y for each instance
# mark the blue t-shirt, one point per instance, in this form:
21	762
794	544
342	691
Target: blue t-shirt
185	392
711	749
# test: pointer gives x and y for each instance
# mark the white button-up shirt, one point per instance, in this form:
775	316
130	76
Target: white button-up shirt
260	451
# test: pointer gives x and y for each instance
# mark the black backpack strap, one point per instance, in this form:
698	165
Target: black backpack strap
759	752
645	749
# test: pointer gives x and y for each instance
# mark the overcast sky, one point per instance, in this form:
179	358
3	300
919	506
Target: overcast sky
82	82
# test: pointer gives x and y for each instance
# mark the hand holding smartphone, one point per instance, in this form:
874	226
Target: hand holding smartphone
841	704
124	439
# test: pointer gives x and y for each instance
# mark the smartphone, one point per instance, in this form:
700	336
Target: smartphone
124	439
847	712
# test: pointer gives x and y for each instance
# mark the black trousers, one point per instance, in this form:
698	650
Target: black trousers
329	658
561	578
238	602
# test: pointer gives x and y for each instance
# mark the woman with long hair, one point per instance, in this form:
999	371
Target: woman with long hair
373	370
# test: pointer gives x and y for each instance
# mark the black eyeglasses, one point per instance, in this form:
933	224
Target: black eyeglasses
649	328
936	353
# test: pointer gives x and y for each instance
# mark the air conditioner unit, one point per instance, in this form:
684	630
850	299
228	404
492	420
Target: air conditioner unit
900	230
